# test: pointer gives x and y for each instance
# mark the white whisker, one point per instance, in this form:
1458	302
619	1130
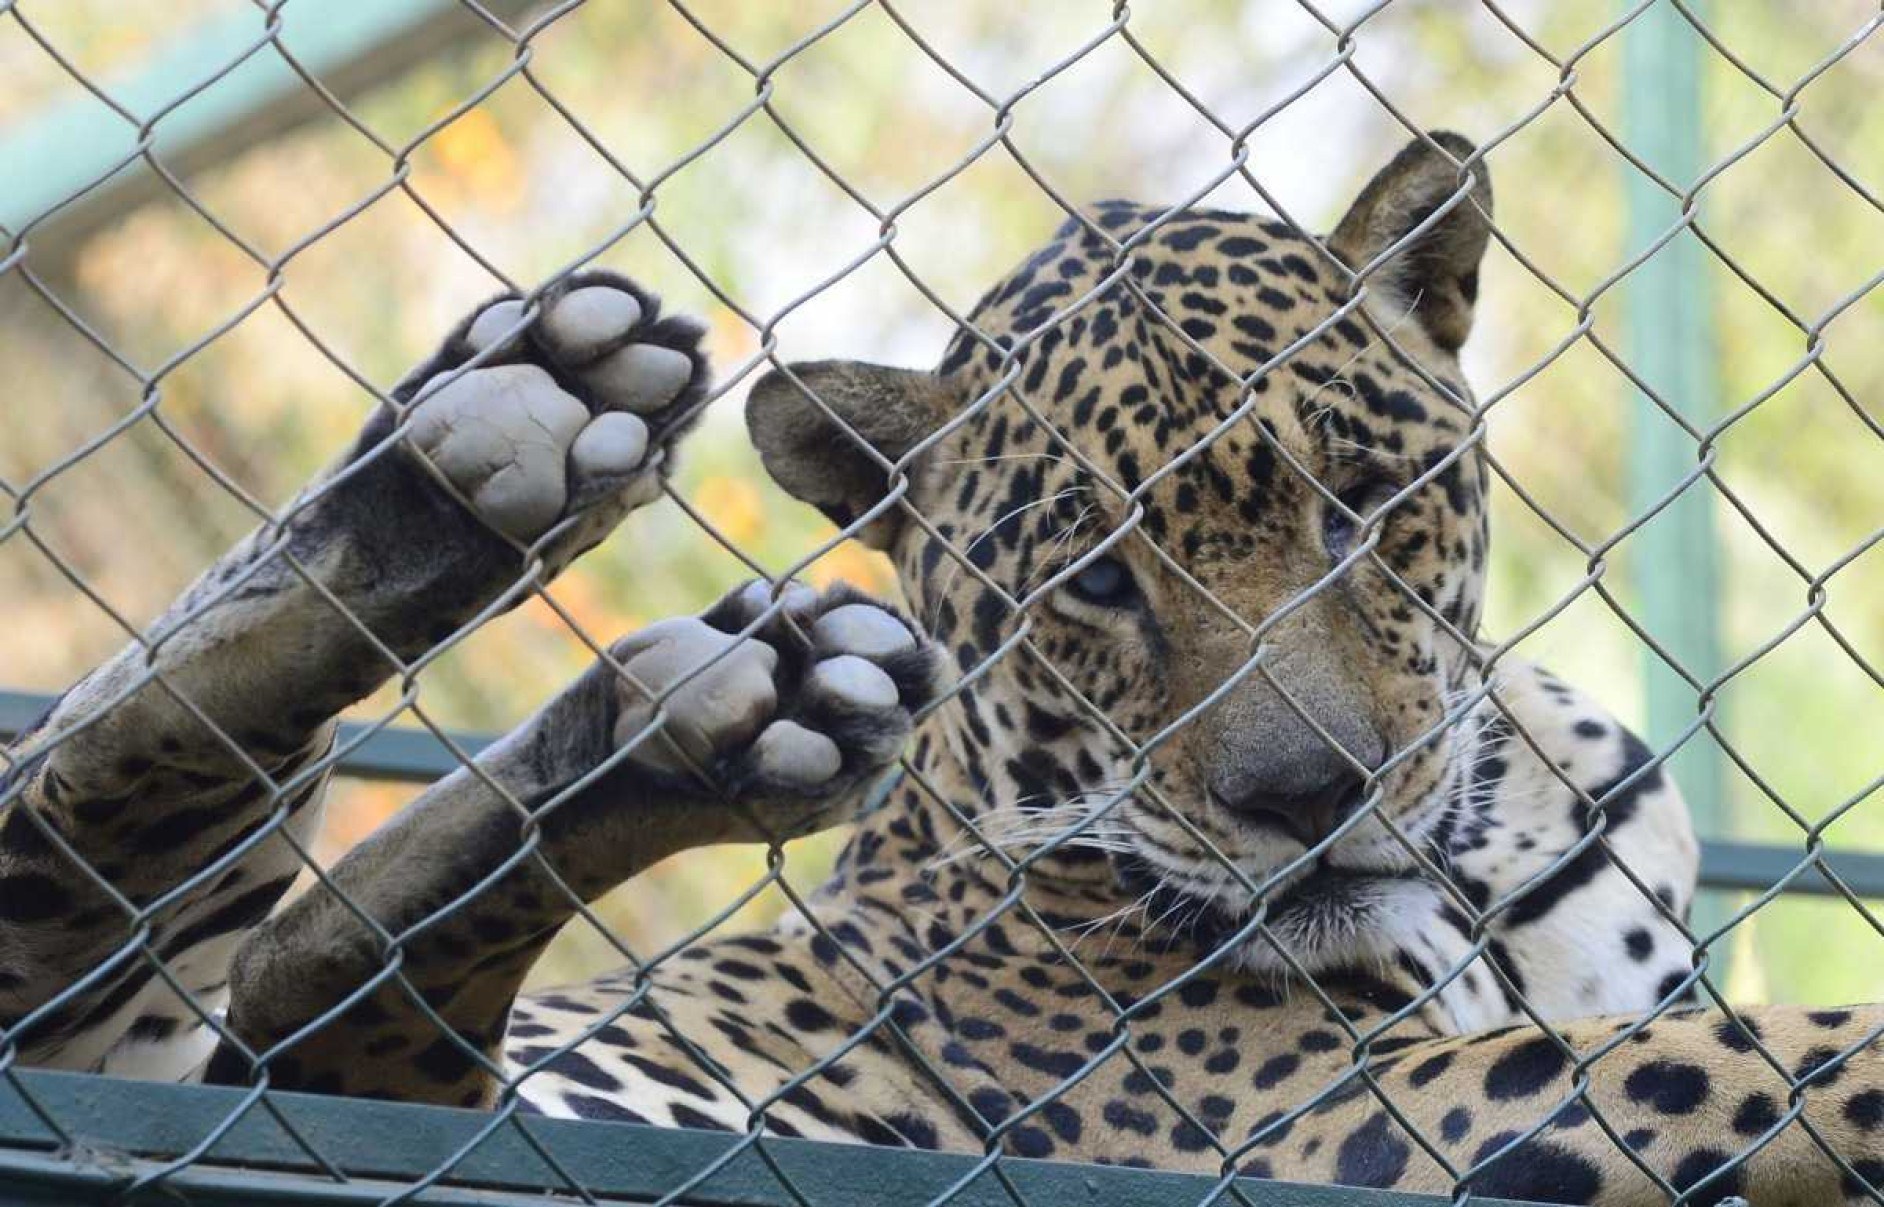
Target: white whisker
955	565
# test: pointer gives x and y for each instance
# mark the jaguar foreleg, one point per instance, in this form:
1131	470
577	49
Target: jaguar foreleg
143	818
762	720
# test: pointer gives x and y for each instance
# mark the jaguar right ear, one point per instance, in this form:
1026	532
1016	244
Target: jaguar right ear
807	451
1434	272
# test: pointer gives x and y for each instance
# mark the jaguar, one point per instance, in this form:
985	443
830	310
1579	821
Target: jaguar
1196	826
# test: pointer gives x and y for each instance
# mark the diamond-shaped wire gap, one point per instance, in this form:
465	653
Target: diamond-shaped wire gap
929	127
689	158
999	56
1830	774
472	90
1493	82
1705	448
1727	158
756	167
147	429
1825	507
567	73
65	511
1242	62
1157	148
1805	690
1793	226
146	116
1769	51
1834	131
1559	33
560	146
1740	511
59	635
1736	105
36	81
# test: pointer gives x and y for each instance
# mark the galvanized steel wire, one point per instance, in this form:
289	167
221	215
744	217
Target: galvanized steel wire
1113	27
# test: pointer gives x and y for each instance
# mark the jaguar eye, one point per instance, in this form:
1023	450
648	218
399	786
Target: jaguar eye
1338	530
1104	582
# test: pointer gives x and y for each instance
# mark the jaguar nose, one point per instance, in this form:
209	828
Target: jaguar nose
1308	817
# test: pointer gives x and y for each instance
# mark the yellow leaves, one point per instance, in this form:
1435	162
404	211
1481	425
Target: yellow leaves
733	506
581	599
355	809
852	563
730	338
474	158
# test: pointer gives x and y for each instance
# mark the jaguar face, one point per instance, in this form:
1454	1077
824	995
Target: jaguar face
1206	537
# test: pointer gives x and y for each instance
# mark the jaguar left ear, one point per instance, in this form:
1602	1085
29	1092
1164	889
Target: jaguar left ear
1434	273
794	420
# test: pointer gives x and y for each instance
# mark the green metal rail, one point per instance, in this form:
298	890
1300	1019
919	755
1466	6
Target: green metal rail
406	755
117	1129
411	755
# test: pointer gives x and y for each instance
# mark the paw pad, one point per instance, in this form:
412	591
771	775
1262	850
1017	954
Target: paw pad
642	378
861	629
722	692
564	414
804	726
790	754
585	323
501	436
855	681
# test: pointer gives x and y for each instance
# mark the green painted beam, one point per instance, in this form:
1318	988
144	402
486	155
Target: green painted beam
413	755
53	155
1755	867
1671	344
120	1125
408	754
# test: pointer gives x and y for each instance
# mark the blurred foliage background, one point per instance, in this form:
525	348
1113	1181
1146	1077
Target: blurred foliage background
137	518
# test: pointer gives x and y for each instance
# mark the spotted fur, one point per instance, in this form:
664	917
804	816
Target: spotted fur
1198	518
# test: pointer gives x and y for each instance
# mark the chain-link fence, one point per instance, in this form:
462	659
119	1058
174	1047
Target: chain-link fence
224	217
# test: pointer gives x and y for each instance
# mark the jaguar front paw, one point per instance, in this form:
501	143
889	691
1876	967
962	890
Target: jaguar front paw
787	708
569	411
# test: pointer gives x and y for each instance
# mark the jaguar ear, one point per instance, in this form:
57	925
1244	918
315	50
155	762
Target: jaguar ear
1435	272
795	426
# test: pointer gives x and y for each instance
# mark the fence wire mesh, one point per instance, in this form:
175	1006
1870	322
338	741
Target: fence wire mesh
877	163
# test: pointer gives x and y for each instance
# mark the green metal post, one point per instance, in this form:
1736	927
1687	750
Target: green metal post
1671	344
